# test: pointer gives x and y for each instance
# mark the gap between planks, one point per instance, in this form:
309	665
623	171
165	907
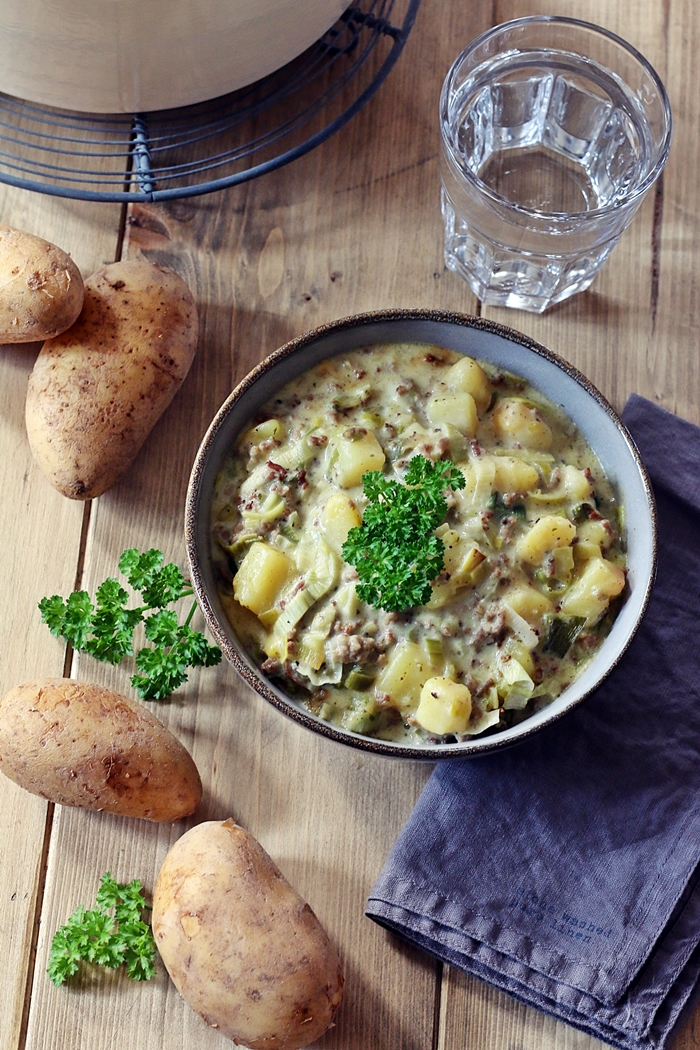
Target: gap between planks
67	662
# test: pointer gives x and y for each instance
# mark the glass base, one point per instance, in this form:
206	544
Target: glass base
500	276
505	291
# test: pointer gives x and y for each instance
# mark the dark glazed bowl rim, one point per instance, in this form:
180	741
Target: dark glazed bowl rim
197	523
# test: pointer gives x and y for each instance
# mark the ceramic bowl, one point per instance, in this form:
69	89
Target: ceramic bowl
505	348
131	56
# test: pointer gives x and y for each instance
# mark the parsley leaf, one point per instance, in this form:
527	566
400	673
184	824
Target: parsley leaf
96	936
159	584
395	551
176	647
112	624
71	618
161	627
65	953
106	630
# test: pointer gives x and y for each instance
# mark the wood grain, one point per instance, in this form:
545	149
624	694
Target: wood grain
39	556
476	1016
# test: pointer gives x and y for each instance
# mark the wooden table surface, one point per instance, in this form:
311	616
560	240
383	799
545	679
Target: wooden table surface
353	226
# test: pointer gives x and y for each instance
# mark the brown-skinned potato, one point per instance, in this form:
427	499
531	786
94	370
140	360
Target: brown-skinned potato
41	289
83	745
242	947
97	390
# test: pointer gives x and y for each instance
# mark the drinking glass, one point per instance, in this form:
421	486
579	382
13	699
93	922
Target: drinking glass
552	132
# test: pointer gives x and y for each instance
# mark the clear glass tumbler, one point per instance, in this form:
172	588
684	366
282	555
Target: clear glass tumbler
552	131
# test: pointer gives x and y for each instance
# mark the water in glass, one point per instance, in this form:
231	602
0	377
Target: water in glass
542	151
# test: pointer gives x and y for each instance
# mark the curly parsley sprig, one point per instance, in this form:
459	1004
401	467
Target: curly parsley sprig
395	551
93	935
106	630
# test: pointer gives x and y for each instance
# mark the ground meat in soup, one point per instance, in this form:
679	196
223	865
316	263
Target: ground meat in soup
534	565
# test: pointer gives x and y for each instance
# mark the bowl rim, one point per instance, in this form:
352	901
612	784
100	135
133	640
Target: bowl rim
255	678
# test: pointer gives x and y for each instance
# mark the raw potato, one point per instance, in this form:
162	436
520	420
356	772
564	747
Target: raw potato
97	390
83	745
41	290
242	947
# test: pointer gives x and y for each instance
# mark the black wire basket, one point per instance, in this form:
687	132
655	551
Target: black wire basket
196	149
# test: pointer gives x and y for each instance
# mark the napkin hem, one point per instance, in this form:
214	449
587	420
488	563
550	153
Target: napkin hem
428	920
400	921
601	984
467	952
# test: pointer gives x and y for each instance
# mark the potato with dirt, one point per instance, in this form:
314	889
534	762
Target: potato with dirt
97	390
83	745
41	288
242	947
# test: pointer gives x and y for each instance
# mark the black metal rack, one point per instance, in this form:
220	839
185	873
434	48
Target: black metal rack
196	149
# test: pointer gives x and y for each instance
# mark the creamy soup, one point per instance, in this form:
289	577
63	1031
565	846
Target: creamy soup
533	563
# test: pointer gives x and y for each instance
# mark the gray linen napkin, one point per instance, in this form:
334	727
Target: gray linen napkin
565	870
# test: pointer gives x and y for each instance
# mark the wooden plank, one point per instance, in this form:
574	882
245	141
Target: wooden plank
671	365
39	556
477	1016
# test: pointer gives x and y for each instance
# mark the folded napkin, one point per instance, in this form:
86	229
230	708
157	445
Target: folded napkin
565	870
